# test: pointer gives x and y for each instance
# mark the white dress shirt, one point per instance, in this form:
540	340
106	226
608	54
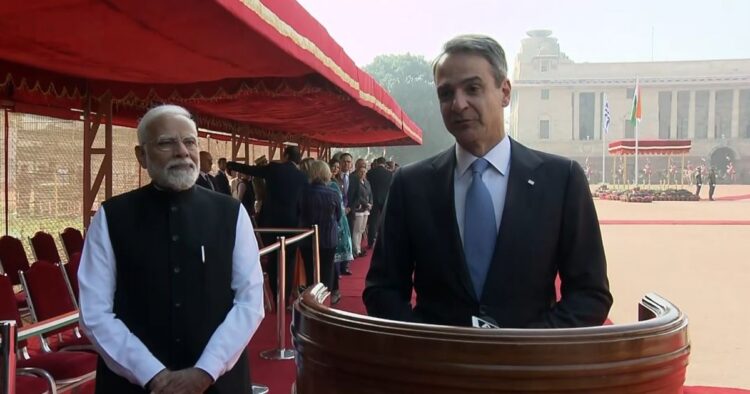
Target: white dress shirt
495	177
122	351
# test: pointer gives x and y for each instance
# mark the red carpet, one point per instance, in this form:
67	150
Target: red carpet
279	375
734	198
658	222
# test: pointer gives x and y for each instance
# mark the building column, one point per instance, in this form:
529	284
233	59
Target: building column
711	132
673	117
691	116
735	113
597	116
576	115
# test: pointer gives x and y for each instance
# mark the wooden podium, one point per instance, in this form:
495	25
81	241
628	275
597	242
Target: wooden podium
341	352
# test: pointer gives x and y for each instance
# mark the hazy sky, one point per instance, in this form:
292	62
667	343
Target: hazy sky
587	30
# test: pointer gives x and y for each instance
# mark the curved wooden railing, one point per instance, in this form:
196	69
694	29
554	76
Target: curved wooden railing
341	352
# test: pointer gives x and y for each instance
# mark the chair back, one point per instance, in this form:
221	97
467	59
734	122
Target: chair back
8	307
71	273
72	240
47	292
44	247
13	258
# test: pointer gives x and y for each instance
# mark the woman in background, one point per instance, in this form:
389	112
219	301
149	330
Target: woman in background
344	244
320	205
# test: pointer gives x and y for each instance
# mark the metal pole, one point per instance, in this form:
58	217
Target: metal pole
6	170
8	332
635	171
280	353
316	255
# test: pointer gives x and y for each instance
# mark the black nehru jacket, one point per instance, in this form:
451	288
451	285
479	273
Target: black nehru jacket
166	294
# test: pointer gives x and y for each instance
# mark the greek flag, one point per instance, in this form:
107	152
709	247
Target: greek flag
606	116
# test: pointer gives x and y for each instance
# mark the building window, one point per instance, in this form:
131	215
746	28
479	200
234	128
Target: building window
701	114
744	131
723	114
665	114
683	113
544	66
629	129
629	93
586	117
545	94
544	129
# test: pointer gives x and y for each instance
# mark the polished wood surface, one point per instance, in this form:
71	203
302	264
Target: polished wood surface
341	352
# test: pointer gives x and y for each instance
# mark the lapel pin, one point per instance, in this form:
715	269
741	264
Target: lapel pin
531	182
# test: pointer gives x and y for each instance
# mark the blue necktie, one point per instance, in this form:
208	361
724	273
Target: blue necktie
480	229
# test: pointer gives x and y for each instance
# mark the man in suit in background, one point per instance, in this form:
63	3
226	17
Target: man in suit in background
380	181
347	175
483	228
221	181
284	185
204	178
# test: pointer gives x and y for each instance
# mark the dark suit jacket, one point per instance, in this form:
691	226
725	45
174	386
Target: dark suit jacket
548	227
210	184
380	181
284	184
221	183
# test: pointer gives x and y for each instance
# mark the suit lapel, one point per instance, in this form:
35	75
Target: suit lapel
445	166
515	217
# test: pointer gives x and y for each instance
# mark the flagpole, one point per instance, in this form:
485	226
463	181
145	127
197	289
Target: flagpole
637	116
604	158
635	172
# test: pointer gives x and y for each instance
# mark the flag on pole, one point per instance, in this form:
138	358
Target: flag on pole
607	117
635	112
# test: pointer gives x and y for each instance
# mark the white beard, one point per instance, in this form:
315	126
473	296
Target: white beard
174	176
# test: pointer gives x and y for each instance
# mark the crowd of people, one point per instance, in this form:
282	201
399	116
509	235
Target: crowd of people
342	196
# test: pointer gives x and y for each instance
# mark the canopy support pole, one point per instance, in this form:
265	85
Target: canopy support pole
237	142
92	120
5	158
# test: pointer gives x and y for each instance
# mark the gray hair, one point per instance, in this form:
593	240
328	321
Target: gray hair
478	44
155	113
319	172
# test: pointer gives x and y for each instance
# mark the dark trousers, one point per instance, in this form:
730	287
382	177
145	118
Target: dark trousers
711	189
273	264
698	190
373	223
327	271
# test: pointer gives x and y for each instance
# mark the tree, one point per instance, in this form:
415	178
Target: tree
408	78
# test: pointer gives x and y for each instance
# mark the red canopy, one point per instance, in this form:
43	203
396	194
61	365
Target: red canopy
650	147
266	69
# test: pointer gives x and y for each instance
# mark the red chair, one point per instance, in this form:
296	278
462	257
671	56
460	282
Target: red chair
34	381
70	271
44	247
49	295
13	259
72	241
68	369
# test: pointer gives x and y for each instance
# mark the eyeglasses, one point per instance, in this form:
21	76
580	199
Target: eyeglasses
173	144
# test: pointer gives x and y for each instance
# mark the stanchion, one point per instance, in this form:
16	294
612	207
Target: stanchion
8	332
280	353
316	256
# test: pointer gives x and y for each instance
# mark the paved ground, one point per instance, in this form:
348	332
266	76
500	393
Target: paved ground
704	270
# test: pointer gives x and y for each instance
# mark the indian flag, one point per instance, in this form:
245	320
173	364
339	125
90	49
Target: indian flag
635	111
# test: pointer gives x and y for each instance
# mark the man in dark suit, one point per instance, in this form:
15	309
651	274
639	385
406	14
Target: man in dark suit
205	179
284	185
484	228
221	181
380	181
698	182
